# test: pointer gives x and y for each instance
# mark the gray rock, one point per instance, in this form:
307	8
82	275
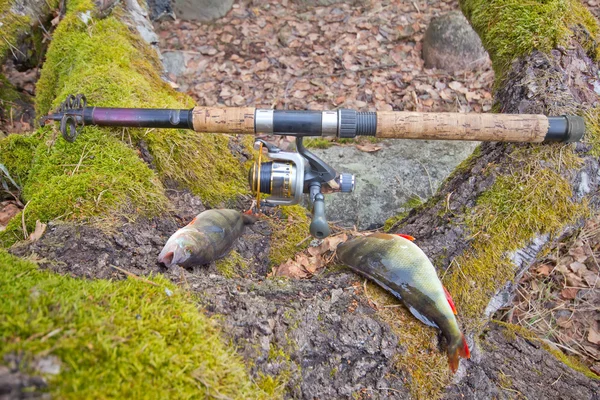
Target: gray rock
160	10
452	45
174	62
386	180
201	10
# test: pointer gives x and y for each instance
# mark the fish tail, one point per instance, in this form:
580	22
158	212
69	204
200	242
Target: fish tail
249	219
458	348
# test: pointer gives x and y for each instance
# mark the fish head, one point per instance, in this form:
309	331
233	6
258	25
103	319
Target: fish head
178	250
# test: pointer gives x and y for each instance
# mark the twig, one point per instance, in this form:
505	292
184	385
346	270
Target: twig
25	234
13	47
428	176
303	240
416	6
134	276
182	271
76	169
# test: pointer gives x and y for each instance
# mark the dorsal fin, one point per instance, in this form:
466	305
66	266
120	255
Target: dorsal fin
192	221
450	301
412	239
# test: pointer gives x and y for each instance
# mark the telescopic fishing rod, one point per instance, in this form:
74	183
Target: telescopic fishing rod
289	175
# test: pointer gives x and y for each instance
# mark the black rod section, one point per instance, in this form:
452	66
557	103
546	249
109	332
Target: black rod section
138	117
568	128
301	123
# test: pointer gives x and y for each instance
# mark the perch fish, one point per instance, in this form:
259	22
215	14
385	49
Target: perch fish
208	237
395	263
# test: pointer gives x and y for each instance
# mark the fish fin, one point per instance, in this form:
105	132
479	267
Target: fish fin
412	239
450	301
249	218
192	221
421	317
459	349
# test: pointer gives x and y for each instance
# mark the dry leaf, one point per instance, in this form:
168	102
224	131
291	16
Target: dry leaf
578	253
593	336
291	269
569	294
578	268
565	322
544	270
591	278
38	232
314	263
8	209
454	85
368	147
332	242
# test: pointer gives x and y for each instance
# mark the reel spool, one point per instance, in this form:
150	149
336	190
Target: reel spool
290	175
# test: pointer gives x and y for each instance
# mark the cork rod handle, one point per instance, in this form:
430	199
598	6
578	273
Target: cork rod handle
223	119
455	126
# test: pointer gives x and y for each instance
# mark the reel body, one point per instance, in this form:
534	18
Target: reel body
291	175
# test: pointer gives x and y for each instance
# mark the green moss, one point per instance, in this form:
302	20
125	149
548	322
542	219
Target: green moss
532	199
124	339
11	25
512	28
592	128
95	176
16	154
273	386
234	265
8	93
413	202
317	143
289	233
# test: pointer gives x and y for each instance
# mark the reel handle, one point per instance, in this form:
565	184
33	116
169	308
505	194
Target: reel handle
319	227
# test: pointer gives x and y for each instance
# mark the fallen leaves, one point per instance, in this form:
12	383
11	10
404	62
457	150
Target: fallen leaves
313	259
369	147
275	55
560	297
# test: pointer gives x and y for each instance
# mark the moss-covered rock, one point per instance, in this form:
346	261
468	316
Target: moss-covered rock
512	28
16	154
101	174
122	339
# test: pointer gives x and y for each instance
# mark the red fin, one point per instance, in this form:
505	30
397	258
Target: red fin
450	301
461	350
464	351
192	221
412	239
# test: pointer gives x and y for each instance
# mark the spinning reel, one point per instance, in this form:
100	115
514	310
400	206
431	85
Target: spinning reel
290	175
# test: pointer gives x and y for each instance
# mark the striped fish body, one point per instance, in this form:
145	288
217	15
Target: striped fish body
403	269
208	237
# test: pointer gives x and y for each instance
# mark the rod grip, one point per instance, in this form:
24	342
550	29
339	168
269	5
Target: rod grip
223	119
461	126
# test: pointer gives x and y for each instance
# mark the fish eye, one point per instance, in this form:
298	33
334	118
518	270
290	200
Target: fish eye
187	251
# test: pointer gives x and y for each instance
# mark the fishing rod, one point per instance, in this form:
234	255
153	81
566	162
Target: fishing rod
290	175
